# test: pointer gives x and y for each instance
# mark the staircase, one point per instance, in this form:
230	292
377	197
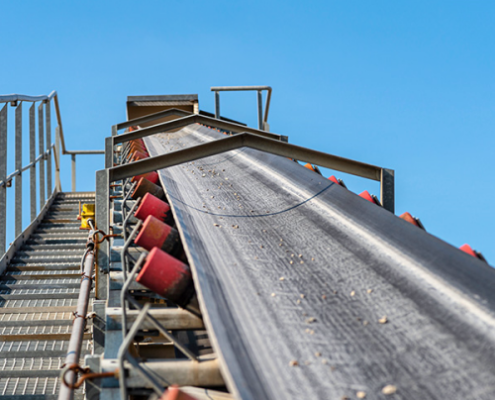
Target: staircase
38	293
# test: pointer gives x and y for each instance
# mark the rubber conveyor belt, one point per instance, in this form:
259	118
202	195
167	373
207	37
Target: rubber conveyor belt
291	267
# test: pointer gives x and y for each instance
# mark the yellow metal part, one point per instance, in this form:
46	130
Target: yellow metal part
88	212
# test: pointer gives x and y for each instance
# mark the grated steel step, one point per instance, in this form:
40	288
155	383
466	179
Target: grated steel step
38	294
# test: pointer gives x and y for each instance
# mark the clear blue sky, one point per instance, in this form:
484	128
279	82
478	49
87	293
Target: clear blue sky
407	85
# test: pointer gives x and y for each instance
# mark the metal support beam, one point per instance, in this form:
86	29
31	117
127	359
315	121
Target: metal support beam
41	147
260	110
102	222
149	118
190	120
383	175
3	175
58	183
32	157
73	158
48	148
387	189
18	167
246	140
109	152
205	372
217	105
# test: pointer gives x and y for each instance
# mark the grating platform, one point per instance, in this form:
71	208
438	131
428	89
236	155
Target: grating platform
38	292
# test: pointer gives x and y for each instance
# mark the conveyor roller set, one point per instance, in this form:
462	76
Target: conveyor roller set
216	261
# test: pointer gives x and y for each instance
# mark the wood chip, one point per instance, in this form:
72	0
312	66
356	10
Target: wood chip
353	293
369	291
235	226
302	296
302	262
361	394
273	294
298	301
281	278
291	262
317	354
324	296
389	389
310	320
365	323
216	225
293	363
300	255
383	320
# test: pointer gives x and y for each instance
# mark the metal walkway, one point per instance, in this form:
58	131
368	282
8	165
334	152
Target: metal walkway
38	294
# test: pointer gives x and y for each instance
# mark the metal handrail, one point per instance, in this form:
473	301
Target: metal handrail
14	98
262	120
45	148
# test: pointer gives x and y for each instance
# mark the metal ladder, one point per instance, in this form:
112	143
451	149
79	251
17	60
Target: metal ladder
38	294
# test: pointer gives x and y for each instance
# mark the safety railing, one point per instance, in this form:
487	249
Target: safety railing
46	151
262	119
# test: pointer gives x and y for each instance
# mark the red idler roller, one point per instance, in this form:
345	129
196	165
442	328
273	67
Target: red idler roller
134	148
138	155
151	176
412	220
145	186
155	233
152	205
469	250
174	393
337	181
370	197
137	145
310	167
168	277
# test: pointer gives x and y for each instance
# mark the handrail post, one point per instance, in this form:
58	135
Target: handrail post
387	189
41	147
260	110
73	157
59	160
32	157
18	167
3	175
217	105
48	147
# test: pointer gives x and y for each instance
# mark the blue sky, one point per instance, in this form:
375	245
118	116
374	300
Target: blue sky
405	85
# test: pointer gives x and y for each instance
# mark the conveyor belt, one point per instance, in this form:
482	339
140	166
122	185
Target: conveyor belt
38	293
309	291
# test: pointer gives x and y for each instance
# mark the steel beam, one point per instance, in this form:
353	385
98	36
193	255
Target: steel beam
18	167
205	372
194	119
48	148
217	105
73	162
170	318
149	118
32	158
41	147
58	160
3	175
260	110
102	221
246	140
387	189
